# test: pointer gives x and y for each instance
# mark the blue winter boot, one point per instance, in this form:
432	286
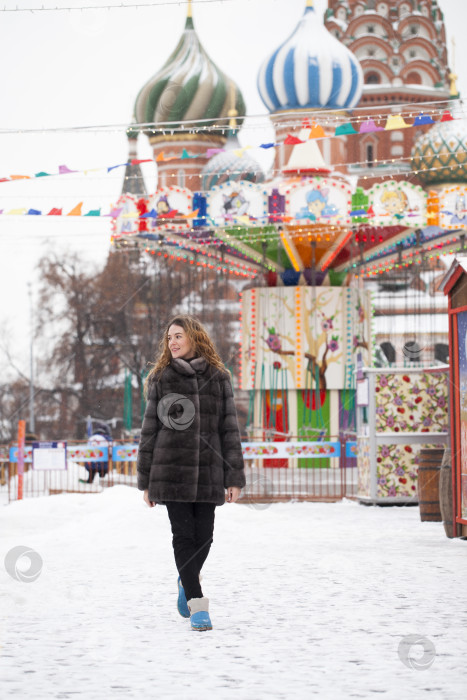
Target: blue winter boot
199	609
181	602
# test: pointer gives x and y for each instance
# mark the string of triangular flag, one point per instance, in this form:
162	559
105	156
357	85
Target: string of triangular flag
393	122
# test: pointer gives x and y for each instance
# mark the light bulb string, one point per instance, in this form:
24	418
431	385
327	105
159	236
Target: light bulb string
271	173
287	118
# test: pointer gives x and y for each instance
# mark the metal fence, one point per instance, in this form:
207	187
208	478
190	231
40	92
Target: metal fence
311	471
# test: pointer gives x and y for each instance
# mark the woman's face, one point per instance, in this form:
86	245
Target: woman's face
179	344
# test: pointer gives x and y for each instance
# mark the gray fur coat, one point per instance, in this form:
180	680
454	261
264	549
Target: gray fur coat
190	446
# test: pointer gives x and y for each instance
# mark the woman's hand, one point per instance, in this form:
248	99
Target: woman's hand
233	492
146	499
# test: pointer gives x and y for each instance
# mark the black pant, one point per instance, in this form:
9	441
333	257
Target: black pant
192	529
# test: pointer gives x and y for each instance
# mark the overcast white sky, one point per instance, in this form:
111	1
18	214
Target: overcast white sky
85	67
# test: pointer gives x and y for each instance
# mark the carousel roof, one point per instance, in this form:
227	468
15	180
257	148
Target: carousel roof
311	70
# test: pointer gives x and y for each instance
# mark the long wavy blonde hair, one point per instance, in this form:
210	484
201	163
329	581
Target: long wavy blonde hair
200	342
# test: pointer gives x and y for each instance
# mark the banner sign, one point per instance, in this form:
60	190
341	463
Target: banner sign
125	453
27	454
302	450
49	456
88	453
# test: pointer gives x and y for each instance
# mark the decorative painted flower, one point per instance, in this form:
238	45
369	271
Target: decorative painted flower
383	381
380	411
415	389
427	422
381	480
441	402
326	324
400	471
431	391
334	345
390	421
392	492
385	451
406	378
407	448
276	365
398	401
361	313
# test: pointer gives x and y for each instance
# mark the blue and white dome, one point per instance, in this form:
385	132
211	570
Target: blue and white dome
311	70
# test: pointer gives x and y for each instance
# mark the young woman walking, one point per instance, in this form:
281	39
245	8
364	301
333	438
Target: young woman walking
190	452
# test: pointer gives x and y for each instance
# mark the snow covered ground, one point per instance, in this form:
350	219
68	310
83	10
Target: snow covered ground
320	600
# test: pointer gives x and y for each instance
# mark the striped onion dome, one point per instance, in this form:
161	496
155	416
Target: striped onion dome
188	87
231	166
439	155
312	69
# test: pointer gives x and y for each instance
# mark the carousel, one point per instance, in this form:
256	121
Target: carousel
304	241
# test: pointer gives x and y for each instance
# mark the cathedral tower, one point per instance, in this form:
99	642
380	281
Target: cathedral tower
401	47
188	88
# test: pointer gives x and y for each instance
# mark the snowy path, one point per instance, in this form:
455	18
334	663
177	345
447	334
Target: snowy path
307	600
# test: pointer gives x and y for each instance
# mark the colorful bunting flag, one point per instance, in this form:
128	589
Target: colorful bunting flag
55	212
42	174
213	152
65	170
292	140
369	126
34	212
93	212
115	213
447	116
20	177
112	167
317	131
395	121
160	157
422	119
185	154
76	211
344	129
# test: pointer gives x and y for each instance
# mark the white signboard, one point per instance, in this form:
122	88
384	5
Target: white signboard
48	456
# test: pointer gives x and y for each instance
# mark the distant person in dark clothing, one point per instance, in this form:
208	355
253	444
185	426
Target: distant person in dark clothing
100	438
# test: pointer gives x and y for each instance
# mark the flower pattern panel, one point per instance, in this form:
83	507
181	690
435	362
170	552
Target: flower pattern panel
411	403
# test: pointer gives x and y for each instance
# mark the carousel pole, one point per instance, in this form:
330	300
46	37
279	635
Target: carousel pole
313	263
